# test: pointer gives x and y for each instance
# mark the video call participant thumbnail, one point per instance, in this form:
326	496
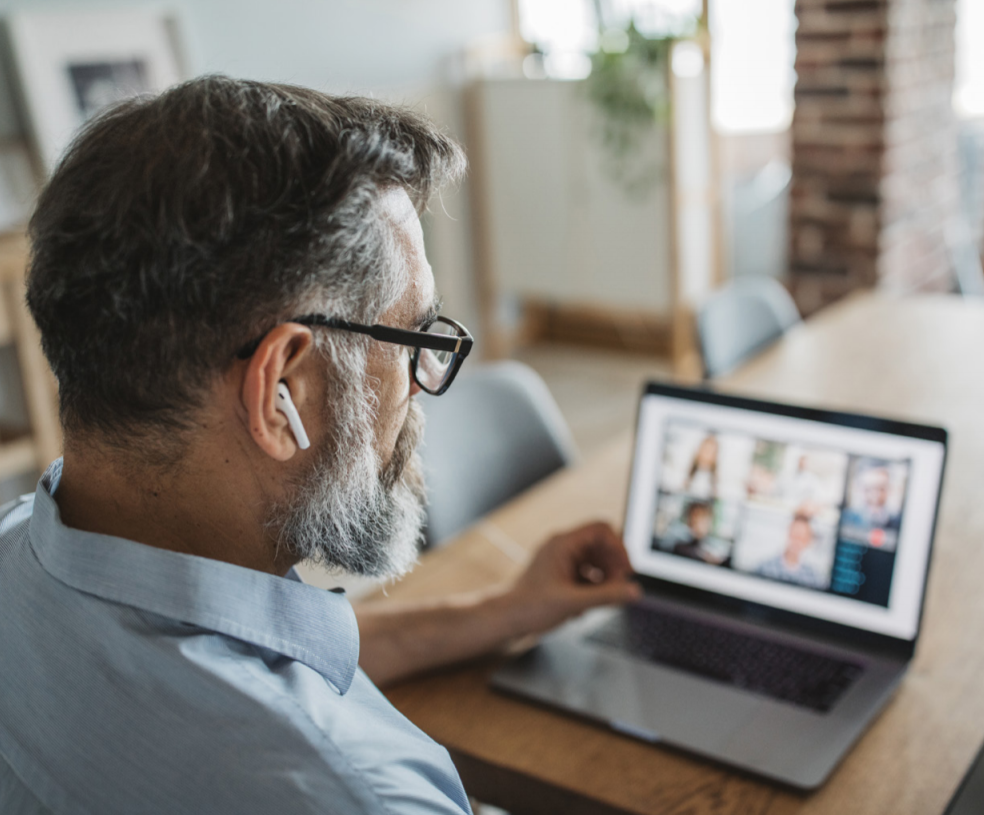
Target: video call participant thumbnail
693	538
790	566
874	516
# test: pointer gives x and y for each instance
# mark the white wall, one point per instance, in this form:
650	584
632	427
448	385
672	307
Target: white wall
400	50
335	45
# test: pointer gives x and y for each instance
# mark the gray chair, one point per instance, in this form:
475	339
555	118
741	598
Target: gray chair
740	319
759	222
965	259
496	432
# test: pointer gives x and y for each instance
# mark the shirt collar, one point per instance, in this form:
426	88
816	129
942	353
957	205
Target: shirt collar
307	624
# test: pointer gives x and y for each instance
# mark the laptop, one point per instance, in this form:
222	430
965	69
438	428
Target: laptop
784	553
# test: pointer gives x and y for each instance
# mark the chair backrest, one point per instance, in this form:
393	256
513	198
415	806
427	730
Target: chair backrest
740	319
759	222
494	433
965	259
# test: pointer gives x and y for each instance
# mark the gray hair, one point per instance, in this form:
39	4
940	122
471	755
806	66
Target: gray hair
177	228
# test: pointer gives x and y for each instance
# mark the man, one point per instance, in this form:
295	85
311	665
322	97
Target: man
790	566
873	510
203	265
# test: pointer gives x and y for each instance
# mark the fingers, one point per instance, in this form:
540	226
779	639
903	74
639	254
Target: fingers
598	547
591	534
572	573
602	567
609	593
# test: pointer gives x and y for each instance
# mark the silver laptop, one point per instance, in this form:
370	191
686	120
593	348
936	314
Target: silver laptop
784	554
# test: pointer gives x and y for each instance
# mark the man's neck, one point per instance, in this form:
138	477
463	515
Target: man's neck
206	506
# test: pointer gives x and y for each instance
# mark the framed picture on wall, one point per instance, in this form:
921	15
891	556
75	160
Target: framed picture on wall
71	64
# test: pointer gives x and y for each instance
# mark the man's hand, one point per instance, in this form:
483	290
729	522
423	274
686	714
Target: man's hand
571	573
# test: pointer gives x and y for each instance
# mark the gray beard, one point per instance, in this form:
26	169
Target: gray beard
349	514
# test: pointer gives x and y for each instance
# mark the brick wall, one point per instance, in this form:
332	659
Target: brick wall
874	147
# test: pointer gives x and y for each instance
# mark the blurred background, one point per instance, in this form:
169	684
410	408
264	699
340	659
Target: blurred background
630	160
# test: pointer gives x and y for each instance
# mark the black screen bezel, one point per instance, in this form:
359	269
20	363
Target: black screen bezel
770	615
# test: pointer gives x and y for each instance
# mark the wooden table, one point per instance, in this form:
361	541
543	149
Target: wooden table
917	359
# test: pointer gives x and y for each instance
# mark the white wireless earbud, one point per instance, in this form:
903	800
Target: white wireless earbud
286	406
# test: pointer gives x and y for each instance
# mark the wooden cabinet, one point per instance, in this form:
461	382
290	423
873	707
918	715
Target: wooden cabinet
555	227
560	227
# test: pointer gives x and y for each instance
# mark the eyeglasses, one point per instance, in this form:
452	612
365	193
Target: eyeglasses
438	351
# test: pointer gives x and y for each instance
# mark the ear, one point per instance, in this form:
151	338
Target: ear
278	357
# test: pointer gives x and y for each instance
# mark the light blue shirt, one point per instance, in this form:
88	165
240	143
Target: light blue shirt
137	680
804	574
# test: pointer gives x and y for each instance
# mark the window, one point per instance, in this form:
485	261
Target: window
752	64
968	96
558	25
566	30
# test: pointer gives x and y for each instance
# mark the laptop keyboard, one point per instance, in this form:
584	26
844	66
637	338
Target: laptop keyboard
763	666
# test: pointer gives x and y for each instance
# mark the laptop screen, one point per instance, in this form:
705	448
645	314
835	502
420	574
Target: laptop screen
824	514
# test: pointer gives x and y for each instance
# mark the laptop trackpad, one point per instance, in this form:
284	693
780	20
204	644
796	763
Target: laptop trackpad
644	700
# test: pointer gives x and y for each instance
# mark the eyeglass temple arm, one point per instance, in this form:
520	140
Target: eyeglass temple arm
400	336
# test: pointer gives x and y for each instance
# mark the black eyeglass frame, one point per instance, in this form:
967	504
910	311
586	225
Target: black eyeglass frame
460	345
